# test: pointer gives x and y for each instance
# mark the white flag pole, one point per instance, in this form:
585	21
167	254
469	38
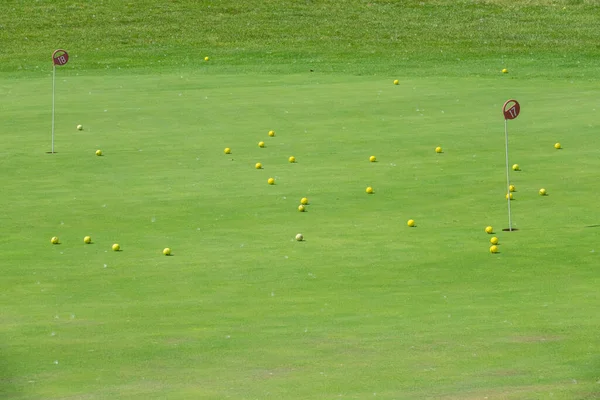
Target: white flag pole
507	174
53	91
59	57
511	112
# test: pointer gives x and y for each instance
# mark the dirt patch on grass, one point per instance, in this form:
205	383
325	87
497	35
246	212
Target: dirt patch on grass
506	372
519	3
505	393
534	339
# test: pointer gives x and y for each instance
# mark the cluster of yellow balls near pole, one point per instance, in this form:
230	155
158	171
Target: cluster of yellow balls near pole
509	195
303	204
516	167
511	188
494	240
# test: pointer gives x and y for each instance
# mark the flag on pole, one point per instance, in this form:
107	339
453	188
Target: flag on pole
511	110
59	57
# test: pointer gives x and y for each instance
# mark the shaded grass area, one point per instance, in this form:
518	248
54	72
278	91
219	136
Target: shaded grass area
537	38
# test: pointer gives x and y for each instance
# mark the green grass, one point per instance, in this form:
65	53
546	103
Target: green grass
556	38
365	307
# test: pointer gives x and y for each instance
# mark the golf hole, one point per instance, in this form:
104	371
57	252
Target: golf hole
509	230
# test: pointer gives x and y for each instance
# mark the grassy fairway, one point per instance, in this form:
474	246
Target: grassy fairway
365	307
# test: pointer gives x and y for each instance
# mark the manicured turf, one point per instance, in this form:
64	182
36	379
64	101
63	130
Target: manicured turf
365	307
544	38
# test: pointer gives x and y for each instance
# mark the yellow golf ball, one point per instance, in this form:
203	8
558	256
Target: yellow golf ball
411	223
557	146
227	150
542	192
116	247
372	158
494	240
167	251
261	144
493	249
258	165
516	167
292	159
369	190
54	240
505	71
396	81
512	188
438	149
304	201
301	208
206	58
509	196
271	133
87	240
489	229
98	152
271	181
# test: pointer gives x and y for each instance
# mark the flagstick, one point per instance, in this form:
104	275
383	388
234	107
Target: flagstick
59	57
53	85
507	174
